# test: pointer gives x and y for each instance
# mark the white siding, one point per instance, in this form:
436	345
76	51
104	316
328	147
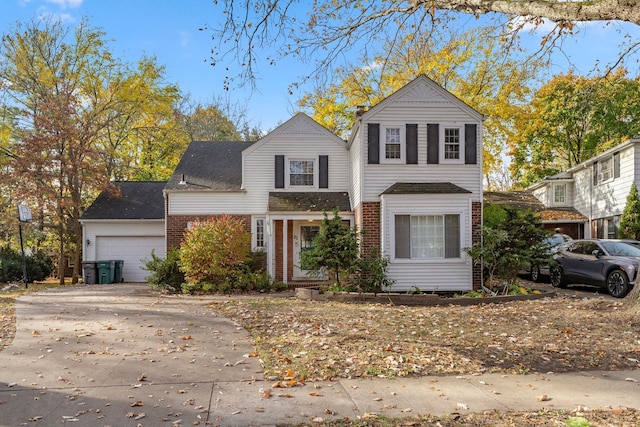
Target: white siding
608	198
356	160
421	104
212	203
542	194
442	275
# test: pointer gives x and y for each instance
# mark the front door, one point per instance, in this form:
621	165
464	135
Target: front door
303	241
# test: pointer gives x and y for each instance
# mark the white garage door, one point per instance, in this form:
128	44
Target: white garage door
132	250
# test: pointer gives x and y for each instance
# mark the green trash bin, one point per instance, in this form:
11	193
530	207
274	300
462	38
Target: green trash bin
117	272
106	270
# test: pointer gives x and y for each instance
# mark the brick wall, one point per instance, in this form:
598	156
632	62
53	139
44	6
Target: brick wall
369	222
177	225
289	249
476	237
278	249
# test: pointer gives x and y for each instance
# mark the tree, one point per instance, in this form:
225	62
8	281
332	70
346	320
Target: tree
332	28
513	239
469	64
571	119
69	94
335	248
630	219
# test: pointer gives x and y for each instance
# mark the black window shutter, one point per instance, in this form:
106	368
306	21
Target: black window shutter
616	165
323	169
433	144
470	144
412	144
595	173
373	142
403	236
279	171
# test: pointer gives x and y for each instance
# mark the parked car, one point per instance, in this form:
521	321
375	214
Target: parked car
539	272
609	264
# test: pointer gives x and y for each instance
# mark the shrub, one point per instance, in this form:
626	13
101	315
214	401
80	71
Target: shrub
370	274
165	273
39	265
212	250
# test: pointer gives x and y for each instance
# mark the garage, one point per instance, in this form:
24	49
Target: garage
126	223
133	250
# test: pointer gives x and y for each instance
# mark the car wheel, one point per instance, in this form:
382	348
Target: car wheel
617	284
557	278
535	273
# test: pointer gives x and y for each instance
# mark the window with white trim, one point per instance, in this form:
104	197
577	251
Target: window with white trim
259	233
301	173
559	193
427	236
605	169
393	144
452	143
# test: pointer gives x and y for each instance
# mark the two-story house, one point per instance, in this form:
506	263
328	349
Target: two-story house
409	177
597	189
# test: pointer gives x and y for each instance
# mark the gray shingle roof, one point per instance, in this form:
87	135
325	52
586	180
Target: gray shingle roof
210	165
309	202
137	200
425	188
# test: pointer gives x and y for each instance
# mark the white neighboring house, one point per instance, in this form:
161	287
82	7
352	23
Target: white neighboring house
126	226
597	189
410	176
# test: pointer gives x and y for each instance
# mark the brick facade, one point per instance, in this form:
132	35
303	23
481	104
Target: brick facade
277	235
177	225
368	220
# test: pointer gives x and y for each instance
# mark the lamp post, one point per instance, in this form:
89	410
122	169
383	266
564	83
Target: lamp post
24	215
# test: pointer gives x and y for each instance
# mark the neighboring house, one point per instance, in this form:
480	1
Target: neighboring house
409	177
561	217
126	225
597	189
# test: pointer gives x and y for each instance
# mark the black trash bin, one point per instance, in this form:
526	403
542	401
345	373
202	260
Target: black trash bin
90	272
117	272
106	269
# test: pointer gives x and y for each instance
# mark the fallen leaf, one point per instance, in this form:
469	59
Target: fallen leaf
137	403
543	398
313	393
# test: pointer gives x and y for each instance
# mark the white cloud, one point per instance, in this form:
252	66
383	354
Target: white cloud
72	4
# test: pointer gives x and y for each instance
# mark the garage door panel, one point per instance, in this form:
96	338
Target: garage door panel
133	250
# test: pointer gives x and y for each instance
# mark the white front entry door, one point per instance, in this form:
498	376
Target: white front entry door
303	234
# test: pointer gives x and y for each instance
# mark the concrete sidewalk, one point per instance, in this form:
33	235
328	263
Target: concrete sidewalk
119	355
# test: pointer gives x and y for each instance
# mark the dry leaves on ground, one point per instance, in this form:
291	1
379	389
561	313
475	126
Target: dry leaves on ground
325	340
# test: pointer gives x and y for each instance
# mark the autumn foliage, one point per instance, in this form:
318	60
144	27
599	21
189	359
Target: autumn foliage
214	249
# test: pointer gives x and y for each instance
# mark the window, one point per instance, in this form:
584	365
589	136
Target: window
427	236
452	143
611	226
559	193
605	169
392	144
258	233
301	173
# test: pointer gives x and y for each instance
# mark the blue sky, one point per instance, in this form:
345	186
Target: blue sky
169	30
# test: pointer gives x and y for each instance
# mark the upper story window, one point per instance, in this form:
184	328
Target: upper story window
559	193
452	143
606	169
392	144
301	173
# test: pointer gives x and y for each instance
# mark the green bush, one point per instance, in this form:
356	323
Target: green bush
39	266
165	273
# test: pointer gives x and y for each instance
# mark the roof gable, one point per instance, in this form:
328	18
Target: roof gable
301	126
419	92
132	200
210	166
